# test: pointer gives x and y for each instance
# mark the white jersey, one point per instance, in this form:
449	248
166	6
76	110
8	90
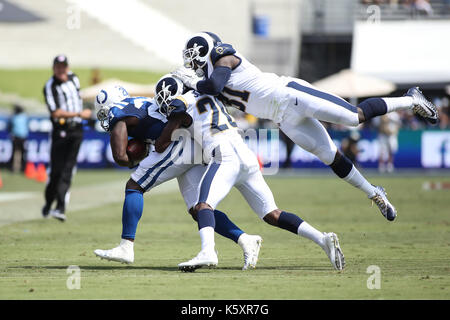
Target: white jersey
253	91
212	124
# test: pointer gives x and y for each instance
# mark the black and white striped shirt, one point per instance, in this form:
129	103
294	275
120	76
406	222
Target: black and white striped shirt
64	95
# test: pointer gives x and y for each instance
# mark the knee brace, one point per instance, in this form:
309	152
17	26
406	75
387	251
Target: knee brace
373	107
341	165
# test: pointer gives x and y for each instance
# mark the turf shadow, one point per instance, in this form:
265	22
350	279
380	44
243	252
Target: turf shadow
111	267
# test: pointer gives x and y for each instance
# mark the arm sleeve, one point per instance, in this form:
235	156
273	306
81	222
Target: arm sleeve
216	82
179	110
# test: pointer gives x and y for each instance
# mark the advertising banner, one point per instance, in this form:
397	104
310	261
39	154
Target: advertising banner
416	149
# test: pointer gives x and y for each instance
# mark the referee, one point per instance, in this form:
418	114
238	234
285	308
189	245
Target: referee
63	100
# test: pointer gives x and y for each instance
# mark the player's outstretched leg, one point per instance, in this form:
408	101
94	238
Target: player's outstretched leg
260	198
329	242
413	100
308	101
309	134
345	169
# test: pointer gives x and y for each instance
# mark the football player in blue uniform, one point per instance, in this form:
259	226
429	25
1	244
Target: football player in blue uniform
294	104
138	117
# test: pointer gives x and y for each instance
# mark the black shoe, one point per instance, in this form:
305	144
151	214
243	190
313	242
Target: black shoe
45	211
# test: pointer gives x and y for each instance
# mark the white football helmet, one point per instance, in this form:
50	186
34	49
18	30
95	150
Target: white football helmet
167	89
103	101
198	49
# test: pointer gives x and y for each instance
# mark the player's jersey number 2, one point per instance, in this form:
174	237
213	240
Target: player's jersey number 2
220	119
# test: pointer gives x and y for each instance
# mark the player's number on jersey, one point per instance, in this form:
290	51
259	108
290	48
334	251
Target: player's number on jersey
242	98
216	109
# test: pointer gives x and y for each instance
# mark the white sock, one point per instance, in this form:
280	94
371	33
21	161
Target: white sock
207	237
399	103
242	238
127	244
311	233
356	179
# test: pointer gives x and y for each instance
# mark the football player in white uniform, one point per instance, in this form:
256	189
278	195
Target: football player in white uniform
295	105
230	163
138	117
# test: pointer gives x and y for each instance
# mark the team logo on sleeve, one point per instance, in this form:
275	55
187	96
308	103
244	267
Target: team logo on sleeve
219	50
170	109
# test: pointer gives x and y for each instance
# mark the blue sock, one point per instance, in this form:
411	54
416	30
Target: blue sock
225	227
132	212
342	165
289	221
373	107
205	218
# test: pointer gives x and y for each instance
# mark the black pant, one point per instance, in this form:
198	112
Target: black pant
18	157
63	158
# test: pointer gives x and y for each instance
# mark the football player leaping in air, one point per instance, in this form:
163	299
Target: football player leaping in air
230	164
123	116
294	104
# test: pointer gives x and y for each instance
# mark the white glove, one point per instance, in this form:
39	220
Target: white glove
187	76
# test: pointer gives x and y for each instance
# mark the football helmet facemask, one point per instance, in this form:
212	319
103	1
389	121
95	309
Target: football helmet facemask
167	89
198	49
103	101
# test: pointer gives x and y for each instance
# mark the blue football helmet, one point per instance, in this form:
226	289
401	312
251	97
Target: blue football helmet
198	49
167	89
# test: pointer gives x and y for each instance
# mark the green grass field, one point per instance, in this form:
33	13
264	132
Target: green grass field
29	83
413	253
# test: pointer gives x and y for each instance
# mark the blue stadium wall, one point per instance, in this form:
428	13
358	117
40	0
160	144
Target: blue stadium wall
417	149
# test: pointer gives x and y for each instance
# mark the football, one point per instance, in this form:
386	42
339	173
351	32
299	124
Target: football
136	149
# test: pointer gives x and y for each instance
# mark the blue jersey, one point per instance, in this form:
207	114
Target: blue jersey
151	122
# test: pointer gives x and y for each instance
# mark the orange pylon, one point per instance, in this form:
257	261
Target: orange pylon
30	170
1	181
41	173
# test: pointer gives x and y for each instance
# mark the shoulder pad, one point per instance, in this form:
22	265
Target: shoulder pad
178	105
220	51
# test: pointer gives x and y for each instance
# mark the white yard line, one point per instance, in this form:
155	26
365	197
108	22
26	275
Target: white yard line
22	206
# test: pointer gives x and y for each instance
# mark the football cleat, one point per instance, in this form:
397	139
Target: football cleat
251	246
333	251
206	258
57	214
381	200
422	106
123	253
